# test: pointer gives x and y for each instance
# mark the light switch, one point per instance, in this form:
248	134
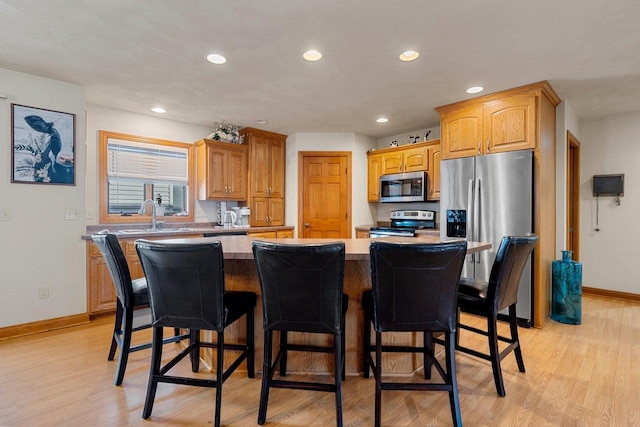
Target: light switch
71	214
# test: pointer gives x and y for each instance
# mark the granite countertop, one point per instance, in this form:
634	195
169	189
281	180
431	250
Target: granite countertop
239	247
142	231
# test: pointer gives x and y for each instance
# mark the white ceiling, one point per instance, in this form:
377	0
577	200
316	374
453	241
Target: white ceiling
136	54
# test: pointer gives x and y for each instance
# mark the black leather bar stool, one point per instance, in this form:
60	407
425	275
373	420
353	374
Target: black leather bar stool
132	296
414	289
301	291
186	286
486	299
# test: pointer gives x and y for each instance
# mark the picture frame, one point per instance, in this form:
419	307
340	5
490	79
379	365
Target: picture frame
43	146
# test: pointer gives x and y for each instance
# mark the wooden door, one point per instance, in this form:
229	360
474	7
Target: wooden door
324	194
510	124
573	195
461	132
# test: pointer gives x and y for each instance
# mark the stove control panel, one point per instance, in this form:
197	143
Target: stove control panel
413	214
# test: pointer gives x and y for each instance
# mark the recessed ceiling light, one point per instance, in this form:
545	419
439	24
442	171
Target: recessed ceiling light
475	89
217	59
159	110
382	120
312	55
261	122
409	55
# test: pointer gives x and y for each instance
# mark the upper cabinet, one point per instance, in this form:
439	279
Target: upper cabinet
406	160
267	152
505	121
422	156
221	172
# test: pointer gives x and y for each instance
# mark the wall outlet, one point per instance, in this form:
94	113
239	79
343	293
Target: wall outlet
43	293
71	214
5	214
89	213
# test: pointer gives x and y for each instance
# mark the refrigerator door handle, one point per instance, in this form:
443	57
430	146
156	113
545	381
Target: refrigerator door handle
470	215
476	218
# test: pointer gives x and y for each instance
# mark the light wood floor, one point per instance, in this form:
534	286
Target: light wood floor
584	375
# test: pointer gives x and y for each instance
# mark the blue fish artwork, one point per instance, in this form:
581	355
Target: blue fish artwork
55	143
43	146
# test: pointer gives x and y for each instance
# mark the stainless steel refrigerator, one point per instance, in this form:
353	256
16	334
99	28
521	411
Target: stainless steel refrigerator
484	198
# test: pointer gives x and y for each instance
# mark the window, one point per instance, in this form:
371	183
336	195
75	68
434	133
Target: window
133	169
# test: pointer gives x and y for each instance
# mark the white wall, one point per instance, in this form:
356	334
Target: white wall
566	120
39	248
363	212
108	119
610	145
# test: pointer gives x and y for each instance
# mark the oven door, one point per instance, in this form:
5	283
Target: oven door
403	187
388	231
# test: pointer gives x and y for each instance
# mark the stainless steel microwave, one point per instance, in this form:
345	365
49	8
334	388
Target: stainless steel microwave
403	187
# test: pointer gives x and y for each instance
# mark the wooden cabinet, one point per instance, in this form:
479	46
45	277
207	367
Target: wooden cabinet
374	170
266	176
423	156
279	234
221	172
515	119
101	295
487	125
435	155
360	234
405	160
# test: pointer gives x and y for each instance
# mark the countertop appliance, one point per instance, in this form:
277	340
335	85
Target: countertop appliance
484	198
403	187
405	223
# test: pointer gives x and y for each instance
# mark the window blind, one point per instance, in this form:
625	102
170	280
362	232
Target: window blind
147	162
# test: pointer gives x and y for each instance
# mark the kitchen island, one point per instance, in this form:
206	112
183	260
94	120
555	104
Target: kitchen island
241	274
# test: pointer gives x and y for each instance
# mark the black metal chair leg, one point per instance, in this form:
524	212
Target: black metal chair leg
127	322
156	358
250	345
338	375
427	353
366	339
117	331
266	377
378	377
454	399
494	351
194	340
284	341
513	326
219	376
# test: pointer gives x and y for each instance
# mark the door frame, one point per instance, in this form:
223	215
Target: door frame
573	194
301	157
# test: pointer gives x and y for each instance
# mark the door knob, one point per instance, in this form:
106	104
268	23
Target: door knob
306	224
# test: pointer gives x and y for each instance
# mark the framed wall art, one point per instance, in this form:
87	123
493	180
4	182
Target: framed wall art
43	146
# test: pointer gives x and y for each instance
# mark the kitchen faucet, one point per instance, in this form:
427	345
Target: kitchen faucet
153	213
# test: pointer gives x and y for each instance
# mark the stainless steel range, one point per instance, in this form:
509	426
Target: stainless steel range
405	223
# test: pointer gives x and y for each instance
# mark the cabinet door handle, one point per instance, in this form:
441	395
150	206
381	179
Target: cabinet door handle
488	149
479	146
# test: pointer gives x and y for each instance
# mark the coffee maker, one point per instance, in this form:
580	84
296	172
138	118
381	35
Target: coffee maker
242	214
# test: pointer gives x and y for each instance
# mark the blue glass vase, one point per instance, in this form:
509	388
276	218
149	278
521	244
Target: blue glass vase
566	305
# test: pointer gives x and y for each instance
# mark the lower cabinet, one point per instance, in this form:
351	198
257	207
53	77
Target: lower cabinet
101	295
280	234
